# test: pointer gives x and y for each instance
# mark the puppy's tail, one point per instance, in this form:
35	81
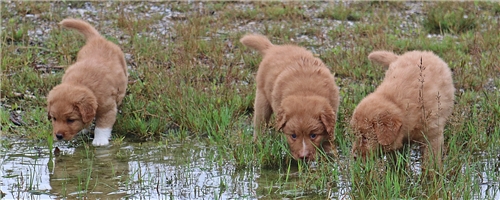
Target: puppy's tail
81	26
384	58
257	42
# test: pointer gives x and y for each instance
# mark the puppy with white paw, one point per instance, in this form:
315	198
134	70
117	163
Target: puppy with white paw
93	87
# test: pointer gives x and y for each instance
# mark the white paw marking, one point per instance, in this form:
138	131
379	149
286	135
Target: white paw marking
101	136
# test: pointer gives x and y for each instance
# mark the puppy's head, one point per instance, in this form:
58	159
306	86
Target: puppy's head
70	108
307	122
373	130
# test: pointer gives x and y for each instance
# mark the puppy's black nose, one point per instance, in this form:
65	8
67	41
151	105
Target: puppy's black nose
59	136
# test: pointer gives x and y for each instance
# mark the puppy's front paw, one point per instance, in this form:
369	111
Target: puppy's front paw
101	136
100	142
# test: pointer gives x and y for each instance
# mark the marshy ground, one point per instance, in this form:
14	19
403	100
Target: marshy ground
184	130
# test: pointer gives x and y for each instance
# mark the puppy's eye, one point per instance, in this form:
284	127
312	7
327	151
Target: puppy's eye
54	119
313	136
69	121
294	136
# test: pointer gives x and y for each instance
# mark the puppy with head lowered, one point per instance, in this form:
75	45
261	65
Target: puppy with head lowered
411	105
302	93
93	87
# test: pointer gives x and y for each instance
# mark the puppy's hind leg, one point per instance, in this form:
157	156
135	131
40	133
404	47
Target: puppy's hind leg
432	154
104	125
262	114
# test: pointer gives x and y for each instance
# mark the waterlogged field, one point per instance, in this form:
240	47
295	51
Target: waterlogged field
184	130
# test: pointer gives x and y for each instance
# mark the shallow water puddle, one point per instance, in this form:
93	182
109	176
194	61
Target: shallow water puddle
130	170
153	170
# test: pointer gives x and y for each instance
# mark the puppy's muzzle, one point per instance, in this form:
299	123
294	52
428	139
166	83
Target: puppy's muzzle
59	136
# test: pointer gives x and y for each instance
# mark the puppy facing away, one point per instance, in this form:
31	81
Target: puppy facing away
91	88
411	105
300	90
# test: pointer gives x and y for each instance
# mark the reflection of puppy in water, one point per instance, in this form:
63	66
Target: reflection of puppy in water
300	90
94	174
92	87
412	105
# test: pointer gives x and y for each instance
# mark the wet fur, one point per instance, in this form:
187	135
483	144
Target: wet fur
91	88
392	115
300	90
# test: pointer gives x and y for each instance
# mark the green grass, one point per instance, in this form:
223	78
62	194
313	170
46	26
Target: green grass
195	82
339	11
450	18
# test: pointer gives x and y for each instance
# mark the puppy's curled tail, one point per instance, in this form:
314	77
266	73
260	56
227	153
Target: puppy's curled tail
384	58
257	42
81	26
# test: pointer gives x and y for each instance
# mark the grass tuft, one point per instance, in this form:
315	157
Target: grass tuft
453	19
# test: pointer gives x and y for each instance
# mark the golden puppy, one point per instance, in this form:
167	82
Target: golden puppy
412	105
302	93
92	87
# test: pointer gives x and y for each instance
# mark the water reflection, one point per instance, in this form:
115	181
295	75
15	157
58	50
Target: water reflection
24	172
175	171
130	170
88	172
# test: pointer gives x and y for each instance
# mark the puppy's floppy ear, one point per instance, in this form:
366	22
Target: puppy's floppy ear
280	119
87	107
328	118
387	128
